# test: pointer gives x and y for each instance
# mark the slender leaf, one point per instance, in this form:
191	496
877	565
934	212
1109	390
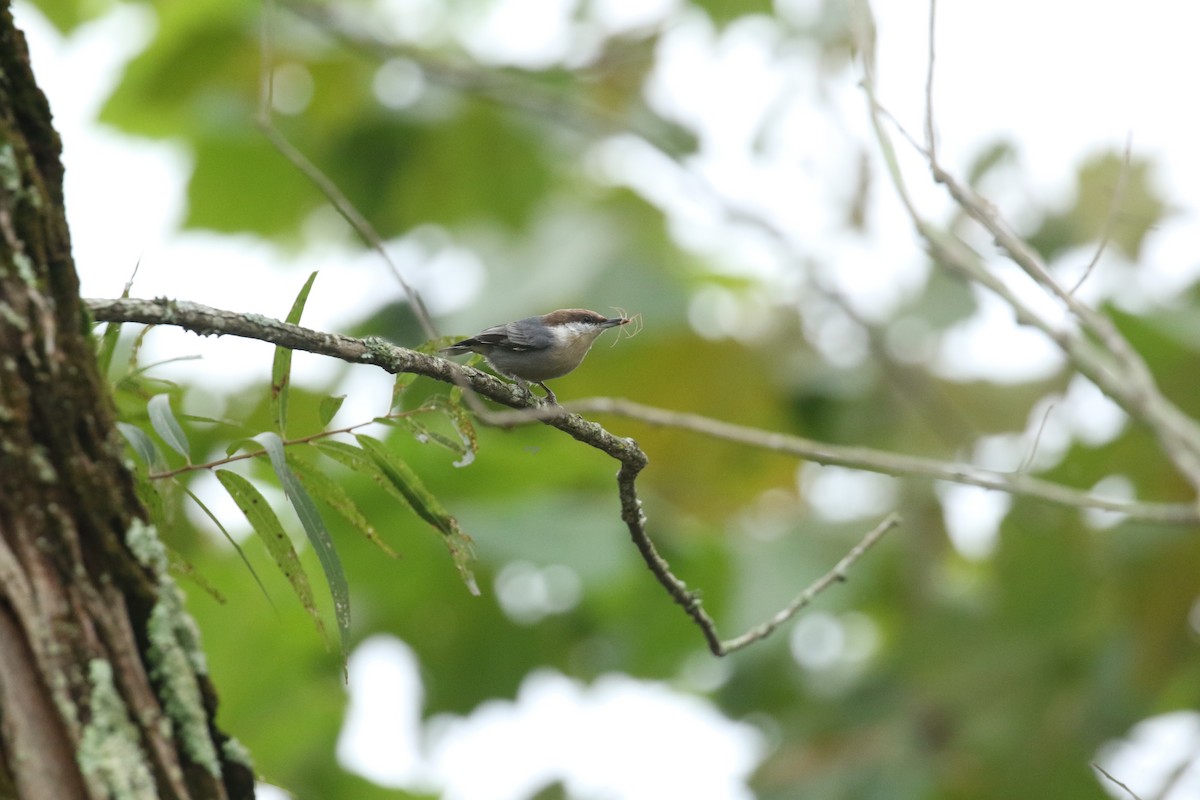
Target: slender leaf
182	566
268	527
166	426
358	461
425	435
281	370
362	463
108	346
462	425
149	492
133	373
318	534
400	386
329	408
228	423
135	351
237	547
466	444
141	443
336	497
422	501
409	484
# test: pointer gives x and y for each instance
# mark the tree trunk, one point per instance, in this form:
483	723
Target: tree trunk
103	691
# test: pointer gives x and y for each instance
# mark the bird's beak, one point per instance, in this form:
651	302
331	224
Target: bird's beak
614	322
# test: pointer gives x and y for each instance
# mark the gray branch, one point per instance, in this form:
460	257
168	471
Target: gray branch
207	321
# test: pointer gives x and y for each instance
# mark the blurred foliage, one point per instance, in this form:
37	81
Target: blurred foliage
1112	194
989	678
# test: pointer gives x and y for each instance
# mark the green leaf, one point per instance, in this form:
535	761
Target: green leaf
135	351
236	547
336	497
318	535
365	464
329	408
400	386
463	426
182	566
108	346
264	522
133	373
423	435
281	370
422	501
166	426
141	443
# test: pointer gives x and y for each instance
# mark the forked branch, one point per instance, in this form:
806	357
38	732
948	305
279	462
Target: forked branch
207	321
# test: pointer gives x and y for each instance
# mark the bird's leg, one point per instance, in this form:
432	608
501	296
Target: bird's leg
549	393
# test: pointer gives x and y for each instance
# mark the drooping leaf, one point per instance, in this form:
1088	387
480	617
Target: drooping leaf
400	386
336	497
141	443
318	535
182	566
267	526
461	420
422	501
166	426
281	369
358	460
236	547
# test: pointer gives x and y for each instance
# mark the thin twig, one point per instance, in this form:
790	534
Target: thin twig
930	133
1099	352
208	321
1104	772
324	184
1173	778
220	462
888	463
836	575
1027	462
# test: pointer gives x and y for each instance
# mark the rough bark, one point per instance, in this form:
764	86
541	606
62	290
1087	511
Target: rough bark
103	691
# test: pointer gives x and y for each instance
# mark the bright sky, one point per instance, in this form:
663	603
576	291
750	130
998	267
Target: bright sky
1063	79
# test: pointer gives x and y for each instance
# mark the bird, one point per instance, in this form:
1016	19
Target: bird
536	349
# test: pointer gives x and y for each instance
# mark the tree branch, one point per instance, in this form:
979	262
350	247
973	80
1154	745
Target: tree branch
207	321
1090	341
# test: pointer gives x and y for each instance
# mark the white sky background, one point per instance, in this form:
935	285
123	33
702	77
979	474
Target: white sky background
1064	79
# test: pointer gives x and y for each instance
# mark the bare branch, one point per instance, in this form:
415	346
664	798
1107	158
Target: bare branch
1094	347
930	131
324	184
1104	772
886	463
208	321
836	575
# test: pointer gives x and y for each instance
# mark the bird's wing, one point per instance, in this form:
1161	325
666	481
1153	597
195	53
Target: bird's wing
510	336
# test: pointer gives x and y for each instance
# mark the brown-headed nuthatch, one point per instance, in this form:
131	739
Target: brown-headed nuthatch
537	349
